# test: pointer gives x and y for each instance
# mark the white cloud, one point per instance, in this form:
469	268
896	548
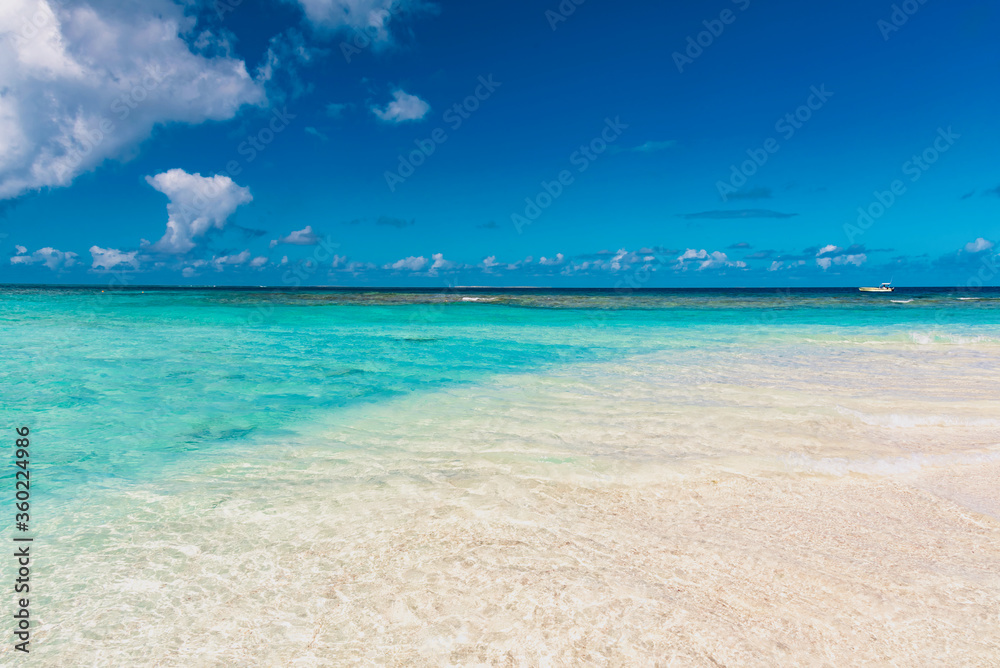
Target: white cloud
188	272
623	258
371	18
978	246
50	257
489	263
412	263
234	260
357	267
776	265
303	237
258	262
558	259
21	250
197	204
405	107
88	82
857	259
439	263
829	248
109	258
706	260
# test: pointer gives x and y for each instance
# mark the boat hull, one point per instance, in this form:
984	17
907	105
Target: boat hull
876	289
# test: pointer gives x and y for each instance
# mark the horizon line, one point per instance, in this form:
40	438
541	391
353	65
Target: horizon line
173	286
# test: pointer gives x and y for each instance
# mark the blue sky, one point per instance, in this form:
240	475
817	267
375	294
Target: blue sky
371	142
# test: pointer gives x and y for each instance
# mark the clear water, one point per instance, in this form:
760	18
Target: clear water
326	477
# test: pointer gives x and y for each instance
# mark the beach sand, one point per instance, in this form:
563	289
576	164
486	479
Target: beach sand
828	504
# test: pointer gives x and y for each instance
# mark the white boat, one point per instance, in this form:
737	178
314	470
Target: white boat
884	287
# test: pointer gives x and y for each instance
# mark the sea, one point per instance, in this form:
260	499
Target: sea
519	477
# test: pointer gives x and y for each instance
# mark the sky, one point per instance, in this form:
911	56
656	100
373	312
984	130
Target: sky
540	143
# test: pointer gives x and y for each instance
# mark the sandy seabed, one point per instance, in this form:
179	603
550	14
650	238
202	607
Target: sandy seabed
826	505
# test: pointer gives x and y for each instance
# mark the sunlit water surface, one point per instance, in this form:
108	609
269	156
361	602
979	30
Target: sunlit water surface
512	478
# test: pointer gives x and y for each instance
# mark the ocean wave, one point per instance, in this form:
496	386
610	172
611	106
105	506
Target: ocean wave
931	338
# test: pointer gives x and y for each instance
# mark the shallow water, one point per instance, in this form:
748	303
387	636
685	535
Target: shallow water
326	478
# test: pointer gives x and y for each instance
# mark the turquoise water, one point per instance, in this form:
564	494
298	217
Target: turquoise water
392	461
120	384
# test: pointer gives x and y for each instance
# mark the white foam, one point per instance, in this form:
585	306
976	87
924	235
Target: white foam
899	420
887	466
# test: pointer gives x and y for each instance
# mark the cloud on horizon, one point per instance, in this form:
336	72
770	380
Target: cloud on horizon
107	259
52	258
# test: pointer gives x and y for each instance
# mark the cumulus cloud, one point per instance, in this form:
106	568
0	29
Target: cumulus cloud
232	260
439	263
109	258
303	237
831	255
706	260
258	262
551	261
978	246
87	82
411	263
624	258
489	263
197	204
404	107
52	258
